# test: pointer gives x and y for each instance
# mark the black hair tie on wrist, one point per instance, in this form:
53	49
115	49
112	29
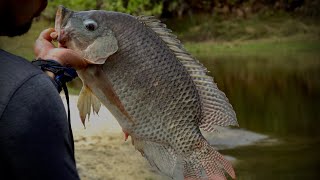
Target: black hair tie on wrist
62	76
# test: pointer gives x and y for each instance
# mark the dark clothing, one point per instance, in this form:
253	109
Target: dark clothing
35	138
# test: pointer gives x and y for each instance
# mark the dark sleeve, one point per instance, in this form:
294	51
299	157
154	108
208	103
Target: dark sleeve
34	134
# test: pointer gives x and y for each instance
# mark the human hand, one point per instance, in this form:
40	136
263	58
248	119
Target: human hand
45	49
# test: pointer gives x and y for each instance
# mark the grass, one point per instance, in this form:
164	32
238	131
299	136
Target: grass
281	51
203	27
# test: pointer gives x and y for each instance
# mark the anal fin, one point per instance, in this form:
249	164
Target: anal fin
161	157
87	100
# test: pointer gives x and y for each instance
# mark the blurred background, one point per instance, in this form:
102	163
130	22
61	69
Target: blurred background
265	55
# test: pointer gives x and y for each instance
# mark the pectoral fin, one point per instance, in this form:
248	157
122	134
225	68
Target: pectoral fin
85	102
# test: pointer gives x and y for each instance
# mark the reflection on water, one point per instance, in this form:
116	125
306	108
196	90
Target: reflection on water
282	101
290	160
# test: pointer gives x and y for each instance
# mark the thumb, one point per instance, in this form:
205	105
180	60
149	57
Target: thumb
43	43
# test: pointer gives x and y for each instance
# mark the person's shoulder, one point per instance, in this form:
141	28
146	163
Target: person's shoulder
15	65
15	71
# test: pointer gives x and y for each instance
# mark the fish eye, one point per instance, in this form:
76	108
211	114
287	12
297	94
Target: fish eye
90	25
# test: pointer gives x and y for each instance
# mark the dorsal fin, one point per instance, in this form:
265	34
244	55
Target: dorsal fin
216	109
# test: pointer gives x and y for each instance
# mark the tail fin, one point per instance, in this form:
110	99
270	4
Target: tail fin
207	163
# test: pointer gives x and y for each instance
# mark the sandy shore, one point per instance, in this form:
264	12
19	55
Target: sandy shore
102	153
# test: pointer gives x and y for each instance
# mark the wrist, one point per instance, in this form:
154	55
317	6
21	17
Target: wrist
50	74
59	74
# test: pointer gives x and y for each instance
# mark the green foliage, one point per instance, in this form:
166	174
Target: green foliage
310	9
173	8
135	7
147	7
50	11
180	8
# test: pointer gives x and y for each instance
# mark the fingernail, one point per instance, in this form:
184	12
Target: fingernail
54	35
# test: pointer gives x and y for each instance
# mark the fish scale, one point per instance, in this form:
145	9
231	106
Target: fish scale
171	68
158	92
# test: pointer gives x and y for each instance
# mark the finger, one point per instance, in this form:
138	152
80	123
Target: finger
54	35
45	34
43	43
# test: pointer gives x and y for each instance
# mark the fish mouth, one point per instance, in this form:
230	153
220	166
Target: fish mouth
61	20
62	39
62	45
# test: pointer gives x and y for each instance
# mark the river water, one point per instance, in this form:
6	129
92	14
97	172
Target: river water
281	101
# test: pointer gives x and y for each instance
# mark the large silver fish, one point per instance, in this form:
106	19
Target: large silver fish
160	95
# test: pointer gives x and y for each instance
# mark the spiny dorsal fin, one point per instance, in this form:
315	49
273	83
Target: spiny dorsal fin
216	109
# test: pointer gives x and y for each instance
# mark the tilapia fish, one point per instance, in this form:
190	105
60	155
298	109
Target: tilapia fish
160	95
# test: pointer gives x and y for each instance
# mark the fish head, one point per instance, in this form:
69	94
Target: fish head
87	33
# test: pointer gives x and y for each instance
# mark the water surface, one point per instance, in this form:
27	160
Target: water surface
281	100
